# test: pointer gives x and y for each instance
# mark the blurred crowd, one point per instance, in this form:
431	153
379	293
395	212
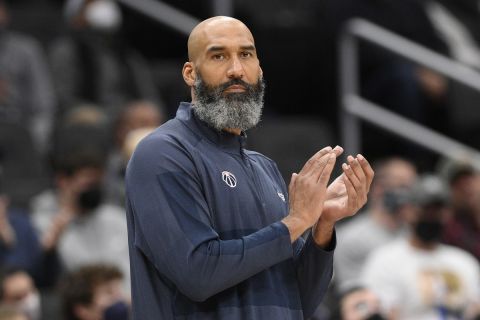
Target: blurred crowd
76	99
413	252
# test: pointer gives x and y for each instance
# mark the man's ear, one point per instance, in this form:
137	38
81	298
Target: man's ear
189	75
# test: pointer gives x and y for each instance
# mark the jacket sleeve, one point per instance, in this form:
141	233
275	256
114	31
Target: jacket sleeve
314	267
173	229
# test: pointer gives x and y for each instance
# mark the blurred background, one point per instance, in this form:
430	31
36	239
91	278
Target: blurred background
83	81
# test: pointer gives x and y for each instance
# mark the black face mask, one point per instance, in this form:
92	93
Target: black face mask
395	199
90	198
429	231
375	316
117	311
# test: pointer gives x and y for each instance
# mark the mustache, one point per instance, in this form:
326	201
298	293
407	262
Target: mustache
211	93
237	81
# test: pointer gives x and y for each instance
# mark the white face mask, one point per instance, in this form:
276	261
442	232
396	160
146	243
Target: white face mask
103	15
30	306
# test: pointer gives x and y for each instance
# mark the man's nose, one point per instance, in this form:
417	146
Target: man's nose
235	70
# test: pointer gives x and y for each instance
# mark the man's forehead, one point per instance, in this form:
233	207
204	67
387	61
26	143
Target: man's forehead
219	32
225	34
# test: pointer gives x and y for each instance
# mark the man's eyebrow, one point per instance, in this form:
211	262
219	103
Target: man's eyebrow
221	48
215	48
249	47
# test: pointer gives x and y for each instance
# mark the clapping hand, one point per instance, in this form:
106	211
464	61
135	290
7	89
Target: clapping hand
345	196
348	192
315	203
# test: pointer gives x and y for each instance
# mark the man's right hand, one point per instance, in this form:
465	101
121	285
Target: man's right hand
67	211
307	192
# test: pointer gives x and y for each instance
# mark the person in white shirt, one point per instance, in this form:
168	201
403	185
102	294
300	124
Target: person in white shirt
74	221
380	223
418	278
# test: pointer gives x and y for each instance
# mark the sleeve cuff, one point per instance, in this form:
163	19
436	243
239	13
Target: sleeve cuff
330	247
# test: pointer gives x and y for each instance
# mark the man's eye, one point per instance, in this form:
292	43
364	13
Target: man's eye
246	54
218	57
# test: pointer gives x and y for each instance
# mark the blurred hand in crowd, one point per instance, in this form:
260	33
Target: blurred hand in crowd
7	234
434	84
361	304
78	193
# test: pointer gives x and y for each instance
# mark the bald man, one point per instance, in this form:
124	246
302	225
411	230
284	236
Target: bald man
213	233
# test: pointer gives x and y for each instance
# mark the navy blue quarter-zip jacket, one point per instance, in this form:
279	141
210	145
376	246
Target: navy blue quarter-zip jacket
205	236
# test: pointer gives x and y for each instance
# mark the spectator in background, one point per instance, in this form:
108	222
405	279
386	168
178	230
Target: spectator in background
18	291
74	221
418	277
93	64
95	293
19	245
136	115
26	92
86	114
382	222
358	303
463	228
84	126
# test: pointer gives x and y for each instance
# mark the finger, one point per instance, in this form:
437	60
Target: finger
358	183
367	169
351	193
291	187
310	164
358	171
324	177
318	170
314	161
338	151
347	169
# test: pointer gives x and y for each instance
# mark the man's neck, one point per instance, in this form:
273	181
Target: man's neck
236	132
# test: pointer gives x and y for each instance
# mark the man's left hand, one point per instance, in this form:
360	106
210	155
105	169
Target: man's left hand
345	196
348	193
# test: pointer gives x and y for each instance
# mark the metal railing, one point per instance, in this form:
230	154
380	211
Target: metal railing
174	18
356	108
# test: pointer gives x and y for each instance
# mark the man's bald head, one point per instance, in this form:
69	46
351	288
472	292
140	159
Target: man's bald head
219	49
200	35
224	75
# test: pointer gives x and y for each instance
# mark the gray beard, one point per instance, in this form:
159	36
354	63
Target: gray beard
232	110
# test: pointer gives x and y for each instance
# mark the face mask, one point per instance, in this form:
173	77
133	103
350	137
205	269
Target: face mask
30	306
103	15
394	199
429	231
90	198
117	311
375	316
